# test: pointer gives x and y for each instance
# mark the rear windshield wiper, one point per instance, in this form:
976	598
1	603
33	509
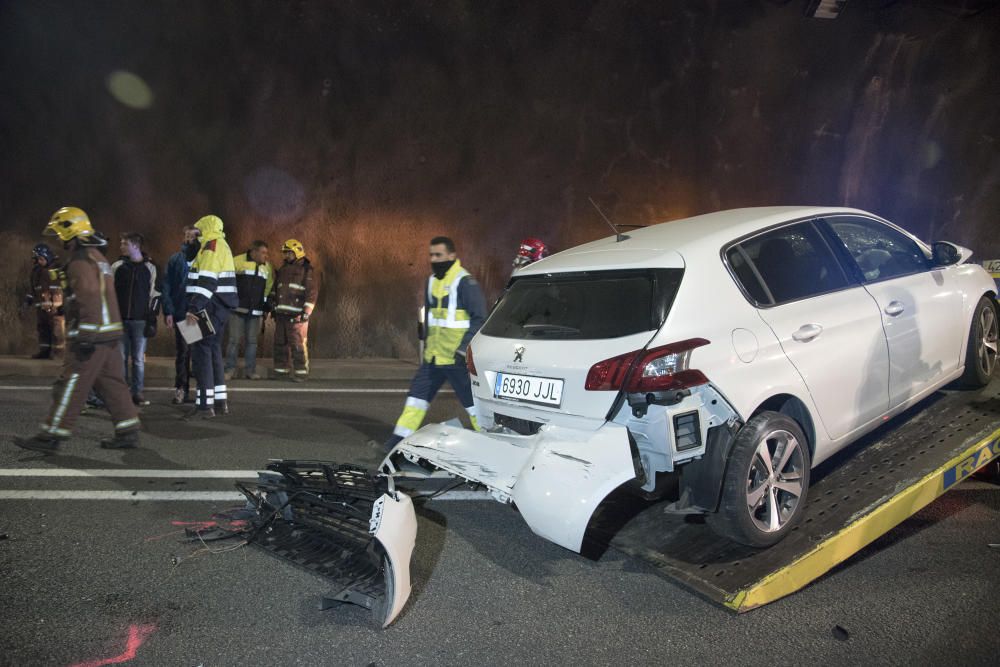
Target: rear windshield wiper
549	328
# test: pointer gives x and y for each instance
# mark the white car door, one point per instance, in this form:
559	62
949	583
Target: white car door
920	305
828	325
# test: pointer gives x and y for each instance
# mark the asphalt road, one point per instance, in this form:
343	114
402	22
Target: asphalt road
92	580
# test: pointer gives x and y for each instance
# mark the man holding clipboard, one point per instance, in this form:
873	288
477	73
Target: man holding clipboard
211	293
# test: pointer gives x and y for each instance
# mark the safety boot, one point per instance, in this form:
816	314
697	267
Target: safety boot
221	408
39	443
128	440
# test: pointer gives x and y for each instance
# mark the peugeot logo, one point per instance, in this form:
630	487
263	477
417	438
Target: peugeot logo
518	353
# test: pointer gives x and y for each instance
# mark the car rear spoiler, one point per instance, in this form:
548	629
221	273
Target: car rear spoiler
339	521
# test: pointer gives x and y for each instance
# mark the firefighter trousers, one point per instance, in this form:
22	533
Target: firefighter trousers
291	336
51	333
206	358
101	370
423	388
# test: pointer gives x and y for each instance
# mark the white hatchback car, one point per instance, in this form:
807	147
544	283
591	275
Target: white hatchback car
715	359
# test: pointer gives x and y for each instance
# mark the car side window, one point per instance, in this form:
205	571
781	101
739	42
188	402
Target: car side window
794	262
880	251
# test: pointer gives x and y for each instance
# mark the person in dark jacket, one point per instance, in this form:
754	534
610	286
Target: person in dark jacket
293	299
137	286
174	302
254	277
47	298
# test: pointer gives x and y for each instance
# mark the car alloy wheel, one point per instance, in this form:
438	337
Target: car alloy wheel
987	353
774	481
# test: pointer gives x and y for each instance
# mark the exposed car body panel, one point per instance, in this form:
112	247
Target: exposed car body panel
556	478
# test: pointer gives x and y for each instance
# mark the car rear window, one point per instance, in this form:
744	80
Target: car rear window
584	305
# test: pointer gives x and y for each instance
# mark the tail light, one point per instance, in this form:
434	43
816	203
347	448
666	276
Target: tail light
469	363
658	369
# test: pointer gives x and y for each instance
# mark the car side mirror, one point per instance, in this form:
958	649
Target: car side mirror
948	254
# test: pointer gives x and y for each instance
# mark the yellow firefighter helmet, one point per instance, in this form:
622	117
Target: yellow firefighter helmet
291	245
68	223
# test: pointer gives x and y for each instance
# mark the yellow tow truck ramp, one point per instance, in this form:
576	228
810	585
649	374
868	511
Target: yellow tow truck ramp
857	497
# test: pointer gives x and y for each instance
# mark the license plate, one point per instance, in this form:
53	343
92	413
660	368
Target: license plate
545	391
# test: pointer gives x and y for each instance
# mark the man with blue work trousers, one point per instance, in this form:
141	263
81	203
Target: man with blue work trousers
211	287
174	302
454	310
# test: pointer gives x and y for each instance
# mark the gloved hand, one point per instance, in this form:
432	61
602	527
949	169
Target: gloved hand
60	311
303	318
459	357
29	300
83	351
149	330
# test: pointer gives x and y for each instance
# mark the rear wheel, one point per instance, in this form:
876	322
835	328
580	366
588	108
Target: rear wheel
766	482
981	355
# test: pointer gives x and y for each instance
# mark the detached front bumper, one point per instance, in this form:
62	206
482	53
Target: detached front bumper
340	522
556	478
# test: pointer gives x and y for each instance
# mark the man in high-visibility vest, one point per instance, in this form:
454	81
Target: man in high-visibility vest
454	311
211	287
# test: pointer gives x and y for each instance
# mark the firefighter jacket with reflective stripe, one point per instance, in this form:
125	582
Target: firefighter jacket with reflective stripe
91	305
46	290
253	284
295	289
212	274
137	286
455	310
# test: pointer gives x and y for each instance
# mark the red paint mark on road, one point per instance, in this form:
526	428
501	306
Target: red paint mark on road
137	634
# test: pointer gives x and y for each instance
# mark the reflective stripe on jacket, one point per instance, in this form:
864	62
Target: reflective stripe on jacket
212	273
295	290
46	291
253	284
455	311
91	304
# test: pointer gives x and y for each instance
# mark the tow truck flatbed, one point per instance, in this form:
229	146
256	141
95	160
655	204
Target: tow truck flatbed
854	498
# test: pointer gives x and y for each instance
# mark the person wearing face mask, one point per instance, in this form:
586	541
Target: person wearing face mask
454	310
174	303
293	298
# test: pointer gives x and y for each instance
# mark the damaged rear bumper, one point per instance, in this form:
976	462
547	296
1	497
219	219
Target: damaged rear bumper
556	478
341	522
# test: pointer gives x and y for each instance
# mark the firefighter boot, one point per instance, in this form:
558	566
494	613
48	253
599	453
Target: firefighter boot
128	440
222	407
39	443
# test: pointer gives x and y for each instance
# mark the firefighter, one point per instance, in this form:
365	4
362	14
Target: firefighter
455	309
47	297
254	279
95	330
211	287
530	251
292	301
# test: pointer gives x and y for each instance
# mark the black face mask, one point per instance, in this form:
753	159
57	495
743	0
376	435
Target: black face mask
191	249
441	268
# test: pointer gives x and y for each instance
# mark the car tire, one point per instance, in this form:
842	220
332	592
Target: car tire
981	353
751	488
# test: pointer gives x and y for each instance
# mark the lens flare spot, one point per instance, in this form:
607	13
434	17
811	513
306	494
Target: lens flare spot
130	90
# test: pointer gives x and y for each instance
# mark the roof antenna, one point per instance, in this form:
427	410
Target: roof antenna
619	237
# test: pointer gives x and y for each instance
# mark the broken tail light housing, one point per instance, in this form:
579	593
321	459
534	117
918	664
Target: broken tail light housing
660	368
469	363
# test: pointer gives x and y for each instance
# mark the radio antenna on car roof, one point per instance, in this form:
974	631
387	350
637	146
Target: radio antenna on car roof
619	237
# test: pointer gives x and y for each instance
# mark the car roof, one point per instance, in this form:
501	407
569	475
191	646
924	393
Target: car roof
667	243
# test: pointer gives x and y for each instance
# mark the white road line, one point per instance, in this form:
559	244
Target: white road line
122	495
201	496
116	472
253	390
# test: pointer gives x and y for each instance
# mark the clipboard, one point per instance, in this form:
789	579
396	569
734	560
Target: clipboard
192	333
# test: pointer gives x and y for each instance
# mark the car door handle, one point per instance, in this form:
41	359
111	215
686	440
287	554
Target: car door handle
807	332
894	308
